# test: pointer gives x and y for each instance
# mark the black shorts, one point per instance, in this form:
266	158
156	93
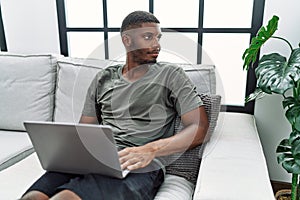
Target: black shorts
139	186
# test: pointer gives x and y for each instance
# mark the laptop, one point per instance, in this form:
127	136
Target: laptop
75	148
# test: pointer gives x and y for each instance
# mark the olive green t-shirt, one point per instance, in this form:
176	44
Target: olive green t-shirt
144	110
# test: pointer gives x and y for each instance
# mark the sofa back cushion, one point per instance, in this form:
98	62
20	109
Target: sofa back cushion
203	76
75	75
73	80
27	85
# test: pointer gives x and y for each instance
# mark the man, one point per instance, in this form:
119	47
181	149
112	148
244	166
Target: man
140	101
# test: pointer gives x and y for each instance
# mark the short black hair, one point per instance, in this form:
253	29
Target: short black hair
136	18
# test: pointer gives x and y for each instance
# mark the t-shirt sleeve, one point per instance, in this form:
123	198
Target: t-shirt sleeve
89	105
184	94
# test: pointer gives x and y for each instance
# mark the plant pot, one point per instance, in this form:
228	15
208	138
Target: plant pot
284	194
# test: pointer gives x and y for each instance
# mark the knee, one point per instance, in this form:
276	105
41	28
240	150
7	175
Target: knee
35	195
66	194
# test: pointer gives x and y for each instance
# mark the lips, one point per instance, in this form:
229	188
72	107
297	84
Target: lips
153	53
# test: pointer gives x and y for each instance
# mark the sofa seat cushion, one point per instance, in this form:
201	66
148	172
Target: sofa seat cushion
222	173
233	164
27	85
14	146
15	180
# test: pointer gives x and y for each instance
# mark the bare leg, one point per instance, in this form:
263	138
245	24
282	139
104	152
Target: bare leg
35	195
66	194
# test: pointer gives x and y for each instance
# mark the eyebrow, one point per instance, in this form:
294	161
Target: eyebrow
159	35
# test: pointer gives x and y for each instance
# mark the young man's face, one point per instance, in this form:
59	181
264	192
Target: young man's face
144	43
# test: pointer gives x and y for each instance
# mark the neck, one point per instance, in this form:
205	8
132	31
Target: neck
131	63
133	71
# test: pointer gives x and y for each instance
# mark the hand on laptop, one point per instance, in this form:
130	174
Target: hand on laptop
132	158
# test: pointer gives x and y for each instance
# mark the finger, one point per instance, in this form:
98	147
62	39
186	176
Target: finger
125	158
123	152
129	162
135	166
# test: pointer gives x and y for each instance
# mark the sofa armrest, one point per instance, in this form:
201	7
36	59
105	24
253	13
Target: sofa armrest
233	164
16	179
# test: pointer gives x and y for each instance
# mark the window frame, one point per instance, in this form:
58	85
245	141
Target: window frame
257	21
3	45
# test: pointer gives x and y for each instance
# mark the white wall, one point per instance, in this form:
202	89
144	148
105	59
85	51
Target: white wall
30	26
271	122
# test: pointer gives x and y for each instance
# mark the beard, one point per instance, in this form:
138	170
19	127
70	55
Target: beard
142	56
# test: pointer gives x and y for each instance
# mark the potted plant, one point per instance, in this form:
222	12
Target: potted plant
279	75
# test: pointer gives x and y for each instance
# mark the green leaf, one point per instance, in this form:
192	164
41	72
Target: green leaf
295	58
294	136
296	151
296	124
275	74
250	54
296	93
293	116
286	157
257	94
284	146
288	101
291	167
296	90
292	103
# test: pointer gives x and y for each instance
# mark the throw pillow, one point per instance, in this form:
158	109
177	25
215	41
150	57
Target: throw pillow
187	164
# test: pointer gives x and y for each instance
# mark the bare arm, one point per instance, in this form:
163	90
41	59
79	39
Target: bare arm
195	127
88	120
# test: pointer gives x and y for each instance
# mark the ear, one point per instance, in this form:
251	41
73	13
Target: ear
126	39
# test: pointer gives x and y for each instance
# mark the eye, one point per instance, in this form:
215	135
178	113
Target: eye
148	37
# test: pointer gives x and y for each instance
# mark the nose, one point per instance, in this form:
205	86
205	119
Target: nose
156	43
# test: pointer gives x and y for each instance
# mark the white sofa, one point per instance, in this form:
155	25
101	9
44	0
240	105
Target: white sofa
47	87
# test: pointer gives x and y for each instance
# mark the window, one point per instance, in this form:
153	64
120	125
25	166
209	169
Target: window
201	31
2	35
